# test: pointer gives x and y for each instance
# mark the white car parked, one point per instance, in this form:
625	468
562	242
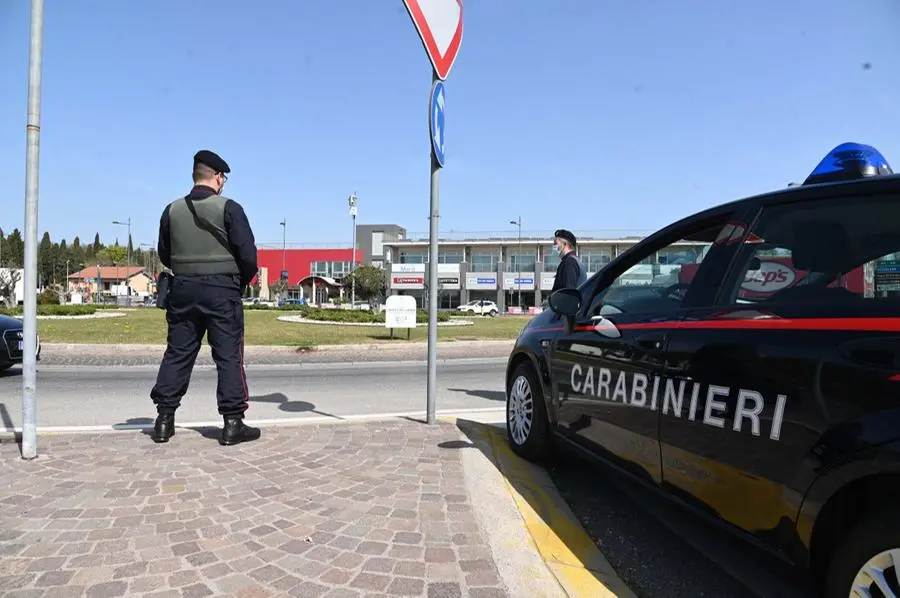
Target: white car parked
480	307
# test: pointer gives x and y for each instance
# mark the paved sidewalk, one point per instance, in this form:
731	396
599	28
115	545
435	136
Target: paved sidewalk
87	354
336	510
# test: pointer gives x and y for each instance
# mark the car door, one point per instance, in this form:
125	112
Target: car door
798	346
606	371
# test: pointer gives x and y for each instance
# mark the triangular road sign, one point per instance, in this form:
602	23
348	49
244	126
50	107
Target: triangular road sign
440	27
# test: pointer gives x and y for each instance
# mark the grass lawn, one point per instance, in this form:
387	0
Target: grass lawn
148	326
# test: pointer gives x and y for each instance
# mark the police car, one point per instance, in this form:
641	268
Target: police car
754	375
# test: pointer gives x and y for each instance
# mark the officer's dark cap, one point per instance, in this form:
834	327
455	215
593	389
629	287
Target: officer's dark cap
212	160
566	236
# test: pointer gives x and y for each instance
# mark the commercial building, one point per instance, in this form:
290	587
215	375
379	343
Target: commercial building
512	272
316	274
313	274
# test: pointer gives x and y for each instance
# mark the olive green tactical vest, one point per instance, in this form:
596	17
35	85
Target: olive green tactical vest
199	241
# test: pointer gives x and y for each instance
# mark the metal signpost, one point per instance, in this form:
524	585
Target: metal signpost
352	201
440	27
32	164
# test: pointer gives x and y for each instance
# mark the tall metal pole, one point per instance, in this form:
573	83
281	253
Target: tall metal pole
520	255
433	281
32	168
283	224
353	203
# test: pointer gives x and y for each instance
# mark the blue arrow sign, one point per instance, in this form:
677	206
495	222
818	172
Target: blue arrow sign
436	122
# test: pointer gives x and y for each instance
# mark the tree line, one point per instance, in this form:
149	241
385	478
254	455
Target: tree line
56	258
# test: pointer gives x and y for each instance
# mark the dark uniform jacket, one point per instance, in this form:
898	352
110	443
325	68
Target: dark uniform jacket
569	273
214	243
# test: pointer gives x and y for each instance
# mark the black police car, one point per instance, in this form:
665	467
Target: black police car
745	360
11	342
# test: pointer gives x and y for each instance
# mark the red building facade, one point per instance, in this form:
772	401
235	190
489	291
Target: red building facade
302	263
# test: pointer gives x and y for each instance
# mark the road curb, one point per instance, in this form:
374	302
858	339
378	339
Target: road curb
249	350
565	547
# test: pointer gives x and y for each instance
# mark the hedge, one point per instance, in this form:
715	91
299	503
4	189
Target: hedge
54	310
343	315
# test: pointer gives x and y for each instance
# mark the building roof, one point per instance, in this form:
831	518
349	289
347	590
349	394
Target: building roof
108	272
326	279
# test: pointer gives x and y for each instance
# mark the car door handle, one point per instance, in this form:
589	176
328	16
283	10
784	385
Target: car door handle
653	341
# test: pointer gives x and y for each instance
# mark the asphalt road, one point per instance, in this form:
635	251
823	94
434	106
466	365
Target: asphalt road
95	396
661	550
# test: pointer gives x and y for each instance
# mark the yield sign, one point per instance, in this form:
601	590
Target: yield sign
440	25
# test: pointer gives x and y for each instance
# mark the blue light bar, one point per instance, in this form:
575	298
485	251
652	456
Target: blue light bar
849	162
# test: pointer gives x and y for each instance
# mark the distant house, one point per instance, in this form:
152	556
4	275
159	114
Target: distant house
113	280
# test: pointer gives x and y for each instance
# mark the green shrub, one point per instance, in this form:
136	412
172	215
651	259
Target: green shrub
359	316
54	310
48	297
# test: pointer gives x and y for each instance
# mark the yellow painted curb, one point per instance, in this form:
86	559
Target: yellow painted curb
567	550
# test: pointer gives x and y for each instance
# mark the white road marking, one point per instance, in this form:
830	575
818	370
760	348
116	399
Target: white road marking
483	415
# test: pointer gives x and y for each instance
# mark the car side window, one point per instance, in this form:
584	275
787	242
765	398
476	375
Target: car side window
658	279
835	251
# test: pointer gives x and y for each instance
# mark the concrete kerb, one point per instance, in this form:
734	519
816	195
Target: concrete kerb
132	349
567	551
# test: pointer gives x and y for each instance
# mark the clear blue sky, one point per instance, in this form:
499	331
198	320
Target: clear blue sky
587	114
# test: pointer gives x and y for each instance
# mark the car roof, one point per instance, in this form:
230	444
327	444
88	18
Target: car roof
822	191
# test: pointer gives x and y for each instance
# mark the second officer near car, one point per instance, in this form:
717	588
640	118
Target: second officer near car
570	273
206	241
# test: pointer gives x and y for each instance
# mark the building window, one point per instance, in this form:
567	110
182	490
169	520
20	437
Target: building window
594	259
450	256
336	270
408	257
522	261
378	243
484	261
551	259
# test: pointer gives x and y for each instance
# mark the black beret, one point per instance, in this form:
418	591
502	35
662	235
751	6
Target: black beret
565	236
212	160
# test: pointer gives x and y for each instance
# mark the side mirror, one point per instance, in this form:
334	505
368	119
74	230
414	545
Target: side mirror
565	302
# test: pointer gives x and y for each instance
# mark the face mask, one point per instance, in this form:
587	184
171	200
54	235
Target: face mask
558	249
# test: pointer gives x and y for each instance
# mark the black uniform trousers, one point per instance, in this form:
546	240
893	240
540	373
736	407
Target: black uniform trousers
198	306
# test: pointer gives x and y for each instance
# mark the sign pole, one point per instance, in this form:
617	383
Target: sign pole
29	324
433	229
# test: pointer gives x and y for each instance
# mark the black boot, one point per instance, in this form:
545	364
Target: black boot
164	428
236	431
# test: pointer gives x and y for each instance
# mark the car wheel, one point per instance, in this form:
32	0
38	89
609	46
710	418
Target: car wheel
493	313
527	428
866	561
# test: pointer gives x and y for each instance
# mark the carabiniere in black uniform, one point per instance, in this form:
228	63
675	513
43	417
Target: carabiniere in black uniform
206	241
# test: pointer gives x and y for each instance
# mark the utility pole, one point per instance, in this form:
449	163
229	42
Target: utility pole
281	275
128	258
352	200
518	223
32	179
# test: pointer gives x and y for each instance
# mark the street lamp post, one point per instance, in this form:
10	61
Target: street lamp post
283	224
128	254
518	223
352	200
32	166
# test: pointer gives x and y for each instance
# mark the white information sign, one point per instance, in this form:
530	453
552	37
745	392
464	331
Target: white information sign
400	311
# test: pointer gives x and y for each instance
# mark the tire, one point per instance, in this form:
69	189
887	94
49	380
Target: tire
866	541
493	313
524	399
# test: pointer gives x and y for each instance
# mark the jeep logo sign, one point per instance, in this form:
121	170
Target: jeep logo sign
771	277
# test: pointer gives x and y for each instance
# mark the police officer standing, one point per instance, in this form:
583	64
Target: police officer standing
569	273
206	241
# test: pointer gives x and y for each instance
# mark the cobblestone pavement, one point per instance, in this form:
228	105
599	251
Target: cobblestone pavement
336	510
110	356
